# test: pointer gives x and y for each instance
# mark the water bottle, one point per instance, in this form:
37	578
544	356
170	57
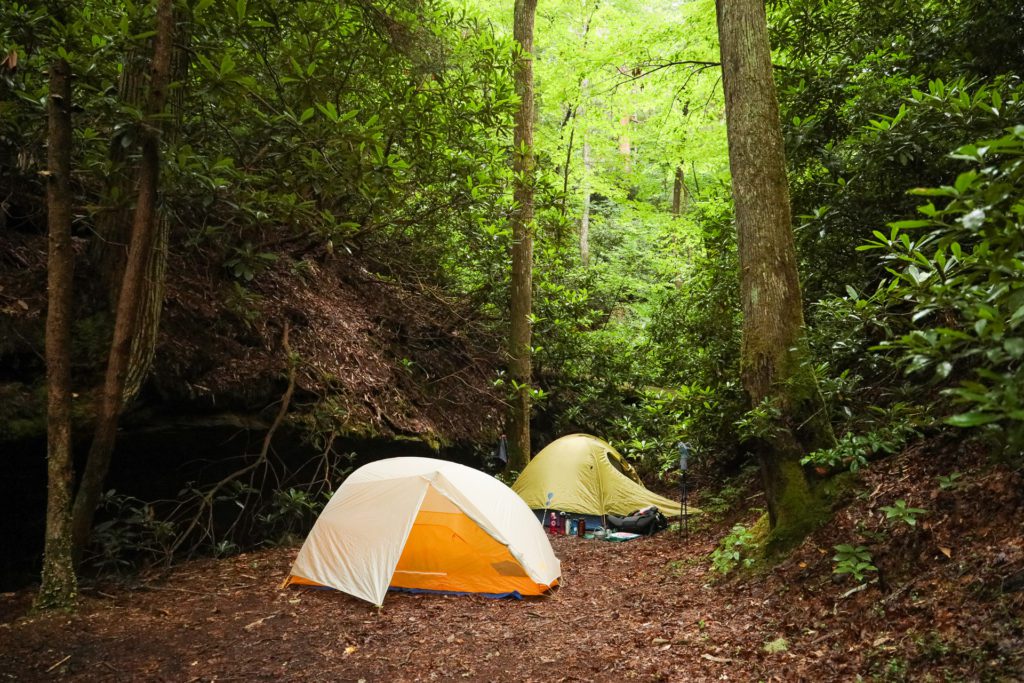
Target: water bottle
553	524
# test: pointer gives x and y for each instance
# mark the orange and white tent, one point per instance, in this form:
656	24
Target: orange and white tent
425	524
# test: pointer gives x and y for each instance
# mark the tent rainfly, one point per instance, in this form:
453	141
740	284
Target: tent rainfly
582	474
426	525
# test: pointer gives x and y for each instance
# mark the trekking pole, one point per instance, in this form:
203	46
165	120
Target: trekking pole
684	465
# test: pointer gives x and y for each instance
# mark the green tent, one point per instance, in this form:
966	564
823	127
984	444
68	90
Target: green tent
582	474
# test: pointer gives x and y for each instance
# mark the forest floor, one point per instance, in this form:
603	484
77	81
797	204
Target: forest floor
945	605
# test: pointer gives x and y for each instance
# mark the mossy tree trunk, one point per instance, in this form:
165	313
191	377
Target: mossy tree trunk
774	352
523	167
59	583
140	246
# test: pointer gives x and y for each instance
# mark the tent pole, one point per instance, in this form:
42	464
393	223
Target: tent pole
684	465
686	517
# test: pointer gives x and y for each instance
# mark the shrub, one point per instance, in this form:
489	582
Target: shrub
961	267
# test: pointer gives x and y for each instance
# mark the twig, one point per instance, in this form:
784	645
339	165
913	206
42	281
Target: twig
58	664
658	67
206	503
905	587
249	627
850	592
174	589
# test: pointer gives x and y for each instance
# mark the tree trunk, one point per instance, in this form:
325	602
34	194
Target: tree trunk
109	249
59	583
774	352
588	165
679	192
585	216
132	286
625	148
520	369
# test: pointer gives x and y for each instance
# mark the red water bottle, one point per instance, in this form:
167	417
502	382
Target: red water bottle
553	524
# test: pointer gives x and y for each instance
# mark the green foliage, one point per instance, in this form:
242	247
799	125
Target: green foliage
726	498
873	97
760	422
950	481
129	534
291	513
301	123
960	268
899	512
507	478
853	560
890	430
246	263
733	550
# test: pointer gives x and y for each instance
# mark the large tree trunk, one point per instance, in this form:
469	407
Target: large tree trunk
59	583
132	286
520	369
774	353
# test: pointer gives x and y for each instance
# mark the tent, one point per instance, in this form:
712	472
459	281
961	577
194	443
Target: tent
425	525
582	474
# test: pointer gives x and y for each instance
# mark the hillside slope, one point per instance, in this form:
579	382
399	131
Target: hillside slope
375	355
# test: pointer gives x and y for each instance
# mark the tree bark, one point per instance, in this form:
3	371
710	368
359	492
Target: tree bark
588	164
774	351
109	249
679	192
132	286
523	167
59	586
585	215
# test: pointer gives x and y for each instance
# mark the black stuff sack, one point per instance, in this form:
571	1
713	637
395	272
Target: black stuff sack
644	522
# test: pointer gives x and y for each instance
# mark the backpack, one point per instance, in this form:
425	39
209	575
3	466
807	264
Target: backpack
645	522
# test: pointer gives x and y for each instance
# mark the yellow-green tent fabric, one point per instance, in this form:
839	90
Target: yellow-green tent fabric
582	474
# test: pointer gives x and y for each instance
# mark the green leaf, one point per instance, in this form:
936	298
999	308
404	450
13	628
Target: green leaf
975	419
1014	346
917	223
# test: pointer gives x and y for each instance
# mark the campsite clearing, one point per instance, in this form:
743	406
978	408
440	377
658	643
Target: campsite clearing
650	609
627	611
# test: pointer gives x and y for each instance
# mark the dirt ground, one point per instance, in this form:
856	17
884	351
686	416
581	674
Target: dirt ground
947	606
